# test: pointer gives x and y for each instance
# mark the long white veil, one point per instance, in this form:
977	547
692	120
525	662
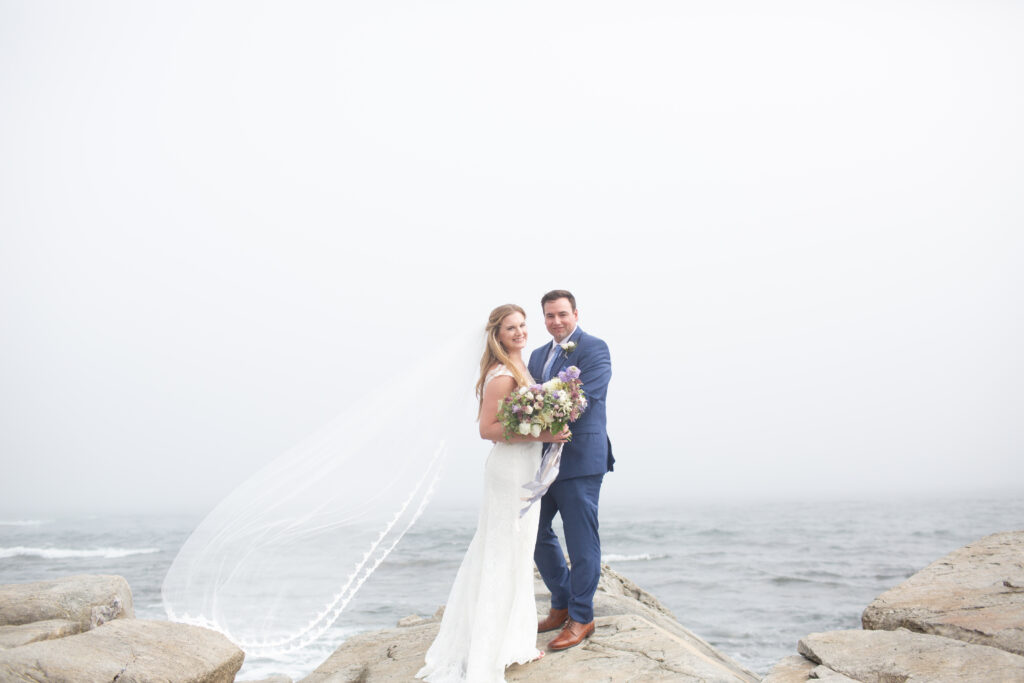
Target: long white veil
278	560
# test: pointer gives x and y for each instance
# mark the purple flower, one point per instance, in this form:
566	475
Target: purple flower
572	372
536	388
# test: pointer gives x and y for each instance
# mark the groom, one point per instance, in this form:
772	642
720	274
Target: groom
575	492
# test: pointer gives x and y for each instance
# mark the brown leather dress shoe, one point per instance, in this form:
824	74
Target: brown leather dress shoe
554	619
572	635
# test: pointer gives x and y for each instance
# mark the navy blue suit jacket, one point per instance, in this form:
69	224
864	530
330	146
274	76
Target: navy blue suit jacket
590	450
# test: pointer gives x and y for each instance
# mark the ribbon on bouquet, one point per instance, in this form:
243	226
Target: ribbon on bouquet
545	477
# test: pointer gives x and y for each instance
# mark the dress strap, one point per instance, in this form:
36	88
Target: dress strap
497	371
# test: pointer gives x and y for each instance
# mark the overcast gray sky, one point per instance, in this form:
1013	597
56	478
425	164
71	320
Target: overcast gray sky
799	226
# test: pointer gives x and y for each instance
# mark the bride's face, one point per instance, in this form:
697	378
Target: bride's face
512	332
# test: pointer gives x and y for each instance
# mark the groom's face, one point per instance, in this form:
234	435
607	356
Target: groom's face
560	318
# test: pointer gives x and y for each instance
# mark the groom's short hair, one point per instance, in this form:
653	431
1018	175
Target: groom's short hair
556	294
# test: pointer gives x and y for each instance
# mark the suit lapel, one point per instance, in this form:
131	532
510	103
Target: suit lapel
536	365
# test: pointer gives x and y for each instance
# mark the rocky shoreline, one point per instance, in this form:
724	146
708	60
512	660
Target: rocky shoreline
959	619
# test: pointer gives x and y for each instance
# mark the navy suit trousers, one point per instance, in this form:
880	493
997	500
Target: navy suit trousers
576	501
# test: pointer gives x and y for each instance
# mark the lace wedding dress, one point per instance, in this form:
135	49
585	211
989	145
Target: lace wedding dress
490	620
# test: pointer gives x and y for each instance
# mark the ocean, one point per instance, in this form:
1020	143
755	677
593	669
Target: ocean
751	578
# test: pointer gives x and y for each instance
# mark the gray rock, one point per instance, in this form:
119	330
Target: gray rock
823	673
793	669
389	655
16	636
616	595
973	594
127	650
797	669
88	599
636	639
888	656
623	648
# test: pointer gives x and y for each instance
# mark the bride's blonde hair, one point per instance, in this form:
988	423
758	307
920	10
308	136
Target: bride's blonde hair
494	352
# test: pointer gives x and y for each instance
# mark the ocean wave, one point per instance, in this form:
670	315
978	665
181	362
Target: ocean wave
23	522
794	580
65	553
632	558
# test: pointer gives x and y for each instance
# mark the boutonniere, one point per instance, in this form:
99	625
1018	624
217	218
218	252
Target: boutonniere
568	347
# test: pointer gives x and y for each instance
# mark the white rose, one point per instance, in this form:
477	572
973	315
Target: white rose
528	410
535	430
524	428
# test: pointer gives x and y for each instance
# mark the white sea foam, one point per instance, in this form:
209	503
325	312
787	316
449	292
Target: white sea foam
23	522
63	553
632	558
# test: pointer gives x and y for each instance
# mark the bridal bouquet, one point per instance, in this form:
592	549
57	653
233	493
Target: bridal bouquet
549	406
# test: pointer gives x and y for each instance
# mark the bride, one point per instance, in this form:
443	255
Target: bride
490	620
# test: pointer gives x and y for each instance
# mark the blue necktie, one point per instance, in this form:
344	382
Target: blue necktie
549	364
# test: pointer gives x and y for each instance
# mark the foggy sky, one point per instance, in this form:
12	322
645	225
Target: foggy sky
798	225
